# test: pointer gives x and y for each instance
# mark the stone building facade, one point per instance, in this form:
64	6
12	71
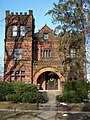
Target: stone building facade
31	57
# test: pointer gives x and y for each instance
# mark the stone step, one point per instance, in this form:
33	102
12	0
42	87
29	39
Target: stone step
51	105
52	95
47	107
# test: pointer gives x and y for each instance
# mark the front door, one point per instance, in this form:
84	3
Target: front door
52	84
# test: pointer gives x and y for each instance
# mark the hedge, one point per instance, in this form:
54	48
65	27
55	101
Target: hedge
21	92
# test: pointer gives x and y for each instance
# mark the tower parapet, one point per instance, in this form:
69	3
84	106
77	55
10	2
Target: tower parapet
16	13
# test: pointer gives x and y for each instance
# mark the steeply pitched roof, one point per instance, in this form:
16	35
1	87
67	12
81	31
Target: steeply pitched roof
45	26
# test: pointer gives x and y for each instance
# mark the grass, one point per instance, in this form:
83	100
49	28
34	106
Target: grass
11	115
19	106
18	115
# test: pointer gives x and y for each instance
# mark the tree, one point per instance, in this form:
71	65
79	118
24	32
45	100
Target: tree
70	17
88	47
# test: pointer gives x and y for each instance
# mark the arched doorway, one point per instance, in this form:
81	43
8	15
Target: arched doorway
41	77
48	80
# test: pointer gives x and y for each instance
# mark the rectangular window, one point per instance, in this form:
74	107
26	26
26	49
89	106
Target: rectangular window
12	73
72	53
22	30
17	53
46	53
42	53
17	76
22	73
12	76
45	36
18	73
14	30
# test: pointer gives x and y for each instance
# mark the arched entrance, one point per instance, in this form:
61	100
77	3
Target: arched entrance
48	78
48	81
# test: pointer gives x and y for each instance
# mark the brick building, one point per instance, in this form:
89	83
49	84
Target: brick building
32	57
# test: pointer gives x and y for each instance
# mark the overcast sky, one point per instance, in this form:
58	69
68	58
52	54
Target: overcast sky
39	7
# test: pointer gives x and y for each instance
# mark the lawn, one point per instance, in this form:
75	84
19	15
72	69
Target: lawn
31	115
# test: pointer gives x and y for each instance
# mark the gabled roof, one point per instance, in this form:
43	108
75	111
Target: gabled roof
45	26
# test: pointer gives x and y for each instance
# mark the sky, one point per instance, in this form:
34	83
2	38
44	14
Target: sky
39	7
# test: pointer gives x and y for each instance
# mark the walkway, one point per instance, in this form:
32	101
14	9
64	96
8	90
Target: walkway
44	115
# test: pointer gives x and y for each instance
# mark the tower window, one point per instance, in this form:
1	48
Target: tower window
22	30
73	53
17	53
14	30
45	36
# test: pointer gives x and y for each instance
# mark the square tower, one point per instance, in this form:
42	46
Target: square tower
19	32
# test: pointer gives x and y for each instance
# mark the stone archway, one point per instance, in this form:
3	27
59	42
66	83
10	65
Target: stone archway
43	70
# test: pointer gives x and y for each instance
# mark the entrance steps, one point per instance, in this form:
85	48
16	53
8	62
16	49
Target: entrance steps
51	104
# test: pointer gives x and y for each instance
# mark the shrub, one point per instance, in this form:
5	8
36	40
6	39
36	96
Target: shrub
21	92
30	97
31	88
19	87
59	98
14	97
5	88
43	98
34	97
74	92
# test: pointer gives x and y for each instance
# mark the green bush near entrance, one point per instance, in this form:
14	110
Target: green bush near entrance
74	92
20	92
5	88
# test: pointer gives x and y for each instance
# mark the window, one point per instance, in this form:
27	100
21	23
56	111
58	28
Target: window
72	53
42	53
14	30
22	30
17	76
46	53
12	73
18	73
45	36
22	73
18	54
